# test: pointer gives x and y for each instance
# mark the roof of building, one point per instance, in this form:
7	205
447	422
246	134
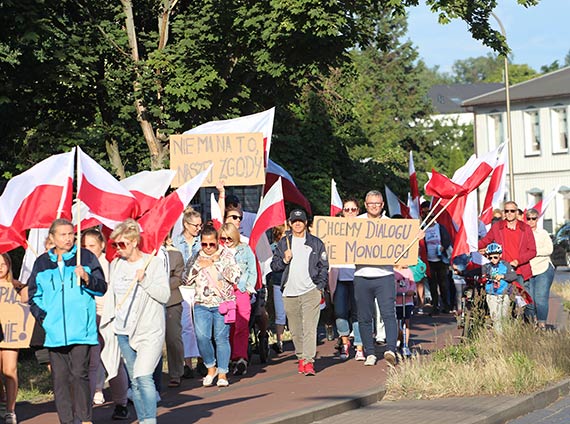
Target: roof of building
548	86
448	98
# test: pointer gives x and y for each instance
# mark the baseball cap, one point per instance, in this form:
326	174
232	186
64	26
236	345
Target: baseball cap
298	215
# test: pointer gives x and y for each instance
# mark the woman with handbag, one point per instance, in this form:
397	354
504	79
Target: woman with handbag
213	272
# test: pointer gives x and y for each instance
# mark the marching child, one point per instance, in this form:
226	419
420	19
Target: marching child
405	291
499	274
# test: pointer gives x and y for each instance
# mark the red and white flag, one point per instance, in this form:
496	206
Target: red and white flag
158	221
542	205
395	205
271	213
290	191
106	199
336	201
216	212
414	204
148	187
497	187
35	198
259	122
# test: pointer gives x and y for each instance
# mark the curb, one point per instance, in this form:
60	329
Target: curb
327	409
523	405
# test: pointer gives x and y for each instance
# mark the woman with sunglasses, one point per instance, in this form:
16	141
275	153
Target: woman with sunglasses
135	314
213	272
239	337
542	271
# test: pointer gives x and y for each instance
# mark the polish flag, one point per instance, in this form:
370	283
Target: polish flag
442	187
290	191
158	221
35	198
106	199
497	187
271	213
148	187
259	122
395	205
216	212
336	201
542	205
414	190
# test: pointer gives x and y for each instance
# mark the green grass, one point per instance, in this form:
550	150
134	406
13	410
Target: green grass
35	384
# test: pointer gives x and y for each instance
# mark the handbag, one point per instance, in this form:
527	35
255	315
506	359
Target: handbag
228	310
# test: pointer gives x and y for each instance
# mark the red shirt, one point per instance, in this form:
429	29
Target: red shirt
512	241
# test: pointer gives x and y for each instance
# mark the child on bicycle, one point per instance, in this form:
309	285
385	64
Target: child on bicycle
499	274
405	291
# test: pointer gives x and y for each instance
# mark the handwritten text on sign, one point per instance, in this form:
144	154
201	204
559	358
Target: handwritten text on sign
15	317
237	158
367	241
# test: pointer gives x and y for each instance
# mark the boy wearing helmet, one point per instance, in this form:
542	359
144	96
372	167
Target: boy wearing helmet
499	274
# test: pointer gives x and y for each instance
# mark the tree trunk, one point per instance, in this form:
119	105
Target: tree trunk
112	148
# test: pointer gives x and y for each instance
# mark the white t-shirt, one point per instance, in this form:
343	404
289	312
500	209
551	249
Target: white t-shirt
299	281
373	271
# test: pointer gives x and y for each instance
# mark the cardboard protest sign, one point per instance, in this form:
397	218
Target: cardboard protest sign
237	158
367	241
16	319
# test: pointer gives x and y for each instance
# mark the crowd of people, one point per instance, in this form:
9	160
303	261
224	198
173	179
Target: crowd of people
200	294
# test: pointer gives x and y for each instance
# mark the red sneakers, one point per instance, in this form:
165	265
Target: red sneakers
309	369
301	366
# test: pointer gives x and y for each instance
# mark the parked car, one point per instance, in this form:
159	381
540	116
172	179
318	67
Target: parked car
561	253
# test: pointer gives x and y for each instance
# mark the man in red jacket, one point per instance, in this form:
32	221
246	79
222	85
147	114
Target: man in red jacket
517	240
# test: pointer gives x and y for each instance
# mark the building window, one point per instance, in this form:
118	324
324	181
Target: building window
496	130
532	132
559	118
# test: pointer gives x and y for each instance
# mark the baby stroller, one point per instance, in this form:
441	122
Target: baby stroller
404	312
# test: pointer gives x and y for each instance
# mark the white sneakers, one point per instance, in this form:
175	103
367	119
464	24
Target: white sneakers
98	398
10	418
370	360
390	357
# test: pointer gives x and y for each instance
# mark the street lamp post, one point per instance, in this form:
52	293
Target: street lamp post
509	127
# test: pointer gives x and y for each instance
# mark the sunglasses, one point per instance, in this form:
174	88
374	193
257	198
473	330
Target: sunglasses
510	210
235	217
494	256
204	245
532	218
226	239
119	245
194	225
350	209
375	204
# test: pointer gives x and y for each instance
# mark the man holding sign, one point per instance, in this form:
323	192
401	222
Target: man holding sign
376	282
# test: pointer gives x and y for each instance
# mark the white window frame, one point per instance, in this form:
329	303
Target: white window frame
529	134
555	112
492	119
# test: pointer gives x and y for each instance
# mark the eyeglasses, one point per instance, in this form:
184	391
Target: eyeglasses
375	204
350	209
194	225
494	256
510	210
226	239
235	217
532	218
204	245
120	245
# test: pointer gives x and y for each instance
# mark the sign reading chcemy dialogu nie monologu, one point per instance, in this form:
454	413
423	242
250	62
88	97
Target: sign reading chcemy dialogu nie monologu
237	158
368	241
16	319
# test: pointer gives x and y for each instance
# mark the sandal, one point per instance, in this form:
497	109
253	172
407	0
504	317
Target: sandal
175	382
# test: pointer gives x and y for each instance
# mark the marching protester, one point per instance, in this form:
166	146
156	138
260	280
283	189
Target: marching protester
93	240
303	260
134	316
542	270
239	333
188	243
276	295
9	357
213	272
376	283
61	295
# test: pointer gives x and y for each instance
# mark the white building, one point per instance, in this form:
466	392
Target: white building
540	131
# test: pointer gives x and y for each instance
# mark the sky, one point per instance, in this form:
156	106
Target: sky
537	35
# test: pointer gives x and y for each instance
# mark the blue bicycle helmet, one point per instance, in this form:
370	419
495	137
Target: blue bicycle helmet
493	248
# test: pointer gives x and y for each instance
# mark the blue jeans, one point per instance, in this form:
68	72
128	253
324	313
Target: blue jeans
539	288
345	310
383	289
206	319
144	391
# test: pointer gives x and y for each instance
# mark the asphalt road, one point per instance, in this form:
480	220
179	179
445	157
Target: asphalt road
562	275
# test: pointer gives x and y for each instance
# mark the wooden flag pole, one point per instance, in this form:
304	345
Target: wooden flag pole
429	213
78	241
431	222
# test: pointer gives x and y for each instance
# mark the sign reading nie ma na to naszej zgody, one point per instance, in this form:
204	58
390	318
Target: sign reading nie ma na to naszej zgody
237	158
367	241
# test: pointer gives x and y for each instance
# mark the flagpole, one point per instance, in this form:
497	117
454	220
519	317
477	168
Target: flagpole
78	241
431	222
429	213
